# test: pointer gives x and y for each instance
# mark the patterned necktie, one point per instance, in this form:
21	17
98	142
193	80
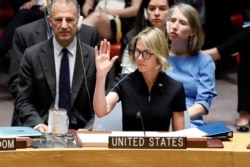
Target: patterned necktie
64	83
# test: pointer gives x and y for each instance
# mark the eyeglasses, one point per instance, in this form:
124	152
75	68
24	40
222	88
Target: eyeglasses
145	54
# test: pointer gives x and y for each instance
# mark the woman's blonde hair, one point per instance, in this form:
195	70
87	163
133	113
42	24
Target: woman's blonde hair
197	40
156	42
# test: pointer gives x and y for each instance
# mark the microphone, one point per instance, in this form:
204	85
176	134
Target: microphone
139	116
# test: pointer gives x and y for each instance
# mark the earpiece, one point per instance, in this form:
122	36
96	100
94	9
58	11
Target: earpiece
145	14
145	18
79	24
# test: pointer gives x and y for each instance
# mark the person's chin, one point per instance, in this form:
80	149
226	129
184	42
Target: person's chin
158	25
141	69
66	38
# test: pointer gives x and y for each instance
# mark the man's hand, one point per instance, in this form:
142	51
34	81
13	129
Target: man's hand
42	128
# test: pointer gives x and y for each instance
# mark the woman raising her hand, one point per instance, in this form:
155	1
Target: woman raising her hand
148	93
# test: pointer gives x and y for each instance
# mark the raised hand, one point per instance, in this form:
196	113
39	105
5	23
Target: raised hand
102	57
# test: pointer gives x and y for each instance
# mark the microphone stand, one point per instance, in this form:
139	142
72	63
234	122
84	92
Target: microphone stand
138	115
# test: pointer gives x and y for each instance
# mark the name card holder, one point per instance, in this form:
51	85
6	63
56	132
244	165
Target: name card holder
204	143
162	142
24	142
147	142
7	144
134	141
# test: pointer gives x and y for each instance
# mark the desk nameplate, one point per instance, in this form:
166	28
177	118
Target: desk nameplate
147	142
7	144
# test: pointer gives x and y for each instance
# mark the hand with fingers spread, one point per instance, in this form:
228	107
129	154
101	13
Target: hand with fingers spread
102	57
103	65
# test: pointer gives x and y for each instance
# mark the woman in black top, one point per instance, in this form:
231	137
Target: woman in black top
148	93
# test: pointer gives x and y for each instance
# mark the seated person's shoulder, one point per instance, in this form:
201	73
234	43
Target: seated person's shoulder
172	81
204	57
89	35
128	36
33	24
85	27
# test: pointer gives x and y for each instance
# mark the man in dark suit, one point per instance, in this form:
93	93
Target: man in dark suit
33	33
38	81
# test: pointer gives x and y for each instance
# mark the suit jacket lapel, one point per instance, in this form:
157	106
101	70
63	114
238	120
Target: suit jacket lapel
48	65
78	78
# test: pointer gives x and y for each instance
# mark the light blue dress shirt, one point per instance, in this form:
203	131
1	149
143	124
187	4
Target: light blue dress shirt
197	73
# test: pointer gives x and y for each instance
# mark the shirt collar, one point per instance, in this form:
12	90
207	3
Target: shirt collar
71	47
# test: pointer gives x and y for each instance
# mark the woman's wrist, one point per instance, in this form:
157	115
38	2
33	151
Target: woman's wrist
101	74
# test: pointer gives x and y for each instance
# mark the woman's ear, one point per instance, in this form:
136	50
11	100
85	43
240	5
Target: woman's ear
192	33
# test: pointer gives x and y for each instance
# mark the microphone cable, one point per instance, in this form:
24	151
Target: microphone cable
119	82
84	73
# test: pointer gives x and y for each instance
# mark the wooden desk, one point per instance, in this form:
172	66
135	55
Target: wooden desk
234	154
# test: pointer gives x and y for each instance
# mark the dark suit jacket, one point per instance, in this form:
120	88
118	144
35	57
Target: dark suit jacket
37	85
35	32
